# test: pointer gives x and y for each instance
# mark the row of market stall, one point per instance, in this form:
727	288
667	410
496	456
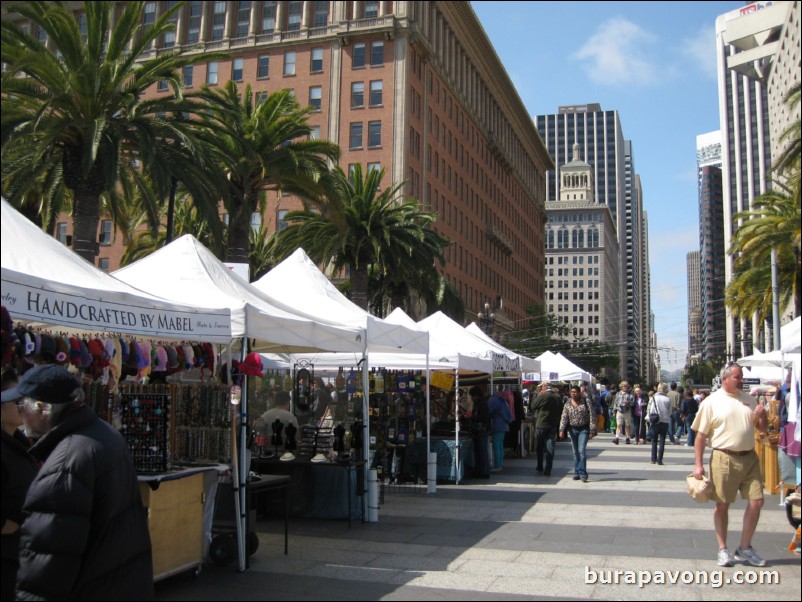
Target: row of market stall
184	294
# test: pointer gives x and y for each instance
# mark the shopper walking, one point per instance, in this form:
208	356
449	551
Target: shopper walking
579	421
660	404
86	533
624	402
548	408
727	421
687	413
500	419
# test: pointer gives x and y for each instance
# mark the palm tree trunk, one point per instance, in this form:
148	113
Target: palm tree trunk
359	285
86	218
238	237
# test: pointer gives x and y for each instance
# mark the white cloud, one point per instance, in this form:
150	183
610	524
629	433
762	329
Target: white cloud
616	54
700	49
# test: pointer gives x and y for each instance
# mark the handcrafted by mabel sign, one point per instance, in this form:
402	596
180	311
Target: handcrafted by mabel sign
98	314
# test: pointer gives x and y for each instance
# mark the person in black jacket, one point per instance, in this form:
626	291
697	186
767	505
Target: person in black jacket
18	471
547	408
86	533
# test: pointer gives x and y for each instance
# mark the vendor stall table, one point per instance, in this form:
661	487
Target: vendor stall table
317	489
178	520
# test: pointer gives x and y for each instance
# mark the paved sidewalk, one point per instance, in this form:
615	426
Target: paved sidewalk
519	536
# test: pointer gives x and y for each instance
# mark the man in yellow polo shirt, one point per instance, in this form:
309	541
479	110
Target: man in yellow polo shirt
728	422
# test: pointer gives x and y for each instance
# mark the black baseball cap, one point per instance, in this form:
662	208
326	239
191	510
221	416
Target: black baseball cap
50	383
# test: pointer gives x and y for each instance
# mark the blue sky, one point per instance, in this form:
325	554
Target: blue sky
653	62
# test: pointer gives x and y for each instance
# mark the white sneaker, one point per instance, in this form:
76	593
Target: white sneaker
749	556
725	558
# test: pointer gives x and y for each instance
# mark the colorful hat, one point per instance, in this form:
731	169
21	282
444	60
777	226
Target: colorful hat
252	365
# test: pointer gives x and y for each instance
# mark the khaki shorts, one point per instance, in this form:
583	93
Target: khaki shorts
623	420
732	473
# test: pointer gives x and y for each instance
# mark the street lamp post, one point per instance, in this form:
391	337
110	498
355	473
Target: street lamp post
487	319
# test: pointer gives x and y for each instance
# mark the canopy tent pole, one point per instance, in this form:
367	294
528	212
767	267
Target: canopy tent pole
456	427
365	434
431	481
242	470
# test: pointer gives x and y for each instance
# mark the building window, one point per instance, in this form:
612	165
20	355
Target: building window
374	167
314	132
315	97
211	73
316	65
218	21
256	221
261	97
161	85
103	263
374	133
289	62
148	17
371	10
281	220
263	66
243	19
269	17
321	14
358	60
375	93
82	26
105	232
61	232
355	139
357	95
294	10
236	69
193	29
376	54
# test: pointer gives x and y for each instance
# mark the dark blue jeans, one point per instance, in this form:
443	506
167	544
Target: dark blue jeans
691	433
579	441
544	448
659	431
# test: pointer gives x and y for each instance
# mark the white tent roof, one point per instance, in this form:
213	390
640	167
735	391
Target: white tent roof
449	343
298	283
443	355
555	366
774	358
789	336
186	271
43	281
520	363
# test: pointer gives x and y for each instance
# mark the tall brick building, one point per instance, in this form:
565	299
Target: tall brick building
413	87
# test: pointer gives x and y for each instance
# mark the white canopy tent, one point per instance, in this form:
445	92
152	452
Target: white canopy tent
298	283
790	336
187	272
45	282
555	366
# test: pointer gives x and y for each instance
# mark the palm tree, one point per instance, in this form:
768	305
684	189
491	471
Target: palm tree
360	228
773	224
74	116
261	145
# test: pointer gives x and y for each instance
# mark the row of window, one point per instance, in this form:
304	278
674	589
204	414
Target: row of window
355	138
576	272
575	283
577	239
577	296
577	260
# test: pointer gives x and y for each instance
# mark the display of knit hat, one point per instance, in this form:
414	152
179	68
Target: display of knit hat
252	365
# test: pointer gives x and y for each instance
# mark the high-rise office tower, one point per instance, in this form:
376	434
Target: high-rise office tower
601	143
711	247
694	307
747	40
